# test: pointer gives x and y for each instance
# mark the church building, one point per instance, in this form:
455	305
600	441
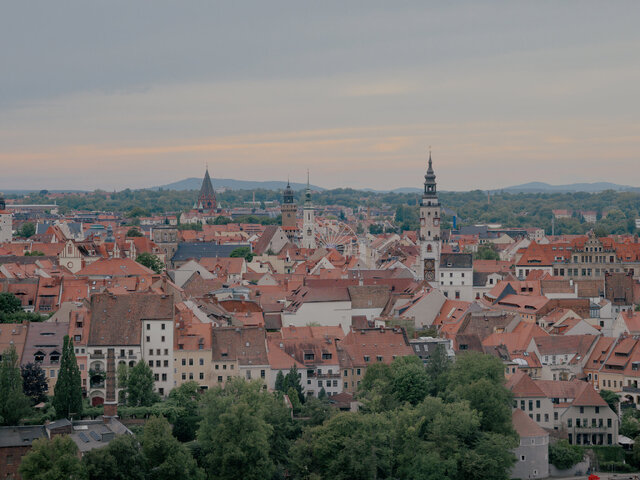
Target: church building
206	206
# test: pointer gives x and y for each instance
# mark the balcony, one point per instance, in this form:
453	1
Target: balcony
328	375
96	356
631	389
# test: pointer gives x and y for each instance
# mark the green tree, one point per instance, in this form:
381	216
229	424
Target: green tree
629	425
611	398
186	397
27	230
134	232
150	261
486	252
34	382
292	380
120	460
279	385
242	252
165	456
34	253
349	446
140	386
479	379
564	455
55	459
245	432
14	404
67	398
9	303
438	366
410	382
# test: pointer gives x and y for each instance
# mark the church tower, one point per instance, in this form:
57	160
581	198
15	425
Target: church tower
206	202
309	220
289	214
430	226
6	222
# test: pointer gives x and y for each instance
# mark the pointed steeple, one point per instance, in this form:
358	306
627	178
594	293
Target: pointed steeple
287	195
307	195
430	181
207	196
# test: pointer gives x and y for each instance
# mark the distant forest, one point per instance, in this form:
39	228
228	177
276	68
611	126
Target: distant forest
616	211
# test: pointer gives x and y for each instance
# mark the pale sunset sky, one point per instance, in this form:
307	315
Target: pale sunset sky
137	94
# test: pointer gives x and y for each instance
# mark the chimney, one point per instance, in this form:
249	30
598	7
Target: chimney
110	404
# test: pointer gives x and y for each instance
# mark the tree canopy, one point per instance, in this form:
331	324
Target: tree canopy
54	459
150	261
14	404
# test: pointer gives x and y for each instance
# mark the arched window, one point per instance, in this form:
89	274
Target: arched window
429	249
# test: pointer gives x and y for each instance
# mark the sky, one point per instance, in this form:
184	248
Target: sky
134	94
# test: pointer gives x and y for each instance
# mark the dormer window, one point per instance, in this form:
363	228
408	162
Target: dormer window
309	356
366	358
39	356
326	356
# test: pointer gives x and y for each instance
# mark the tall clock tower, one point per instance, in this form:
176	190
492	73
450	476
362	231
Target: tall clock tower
308	220
430	226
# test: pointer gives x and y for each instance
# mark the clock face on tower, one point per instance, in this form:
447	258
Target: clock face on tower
436	221
429	269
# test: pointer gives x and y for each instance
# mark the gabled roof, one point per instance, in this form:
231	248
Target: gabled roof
246	345
565	344
115	267
521	385
199	250
117	319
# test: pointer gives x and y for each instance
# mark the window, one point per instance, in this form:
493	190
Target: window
158	351
77	338
201	361
335	383
248	374
166	363
156	377
262	373
162	339
160	390
546	417
530	405
184	362
201	376
608	422
148	328
148	338
219	378
597	409
151	351
326	356
190	361
162	326
164	377
151	363
346	385
537	403
581	409
319	383
569	422
366	358
9	459
184	376
157	363
166	351
379	358
190	375
522	458
357	371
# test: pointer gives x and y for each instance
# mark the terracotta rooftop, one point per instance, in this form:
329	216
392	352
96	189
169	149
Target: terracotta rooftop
525	426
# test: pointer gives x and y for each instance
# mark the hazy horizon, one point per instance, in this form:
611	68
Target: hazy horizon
136	95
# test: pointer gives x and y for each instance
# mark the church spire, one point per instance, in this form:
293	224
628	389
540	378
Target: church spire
430	181
307	195
207	196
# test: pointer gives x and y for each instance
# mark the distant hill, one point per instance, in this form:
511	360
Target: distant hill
231	184
541	187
